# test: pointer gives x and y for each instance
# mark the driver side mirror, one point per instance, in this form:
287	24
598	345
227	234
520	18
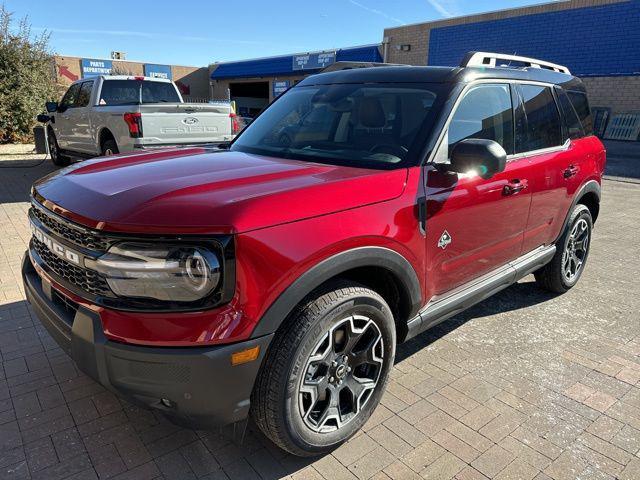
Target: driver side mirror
51	106
485	157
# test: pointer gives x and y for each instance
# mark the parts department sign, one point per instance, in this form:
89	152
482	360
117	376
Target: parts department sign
92	68
157	71
313	61
279	87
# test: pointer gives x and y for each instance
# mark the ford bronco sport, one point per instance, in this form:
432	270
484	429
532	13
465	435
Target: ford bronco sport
275	278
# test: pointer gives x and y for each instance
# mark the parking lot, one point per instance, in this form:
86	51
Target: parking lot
525	385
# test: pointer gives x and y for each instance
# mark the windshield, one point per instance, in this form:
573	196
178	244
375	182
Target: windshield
364	125
134	92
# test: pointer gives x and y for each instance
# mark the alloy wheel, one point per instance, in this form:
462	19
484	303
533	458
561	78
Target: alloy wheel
575	252
341	374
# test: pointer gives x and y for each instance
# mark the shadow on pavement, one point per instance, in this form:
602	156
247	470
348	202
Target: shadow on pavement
515	297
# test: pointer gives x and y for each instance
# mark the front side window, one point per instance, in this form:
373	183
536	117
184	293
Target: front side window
69	98
84	96
543	119
367	125
484	112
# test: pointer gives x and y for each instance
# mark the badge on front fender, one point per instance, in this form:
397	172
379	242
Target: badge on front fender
445	239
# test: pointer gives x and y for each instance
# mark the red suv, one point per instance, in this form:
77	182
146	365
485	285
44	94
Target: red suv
276	277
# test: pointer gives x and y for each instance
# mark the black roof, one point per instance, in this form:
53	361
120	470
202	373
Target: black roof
412	74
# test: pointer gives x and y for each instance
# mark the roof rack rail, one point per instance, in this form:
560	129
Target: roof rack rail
488	59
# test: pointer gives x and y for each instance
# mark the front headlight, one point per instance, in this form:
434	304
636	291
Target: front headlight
168	272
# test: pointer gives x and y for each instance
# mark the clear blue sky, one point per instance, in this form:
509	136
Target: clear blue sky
203	31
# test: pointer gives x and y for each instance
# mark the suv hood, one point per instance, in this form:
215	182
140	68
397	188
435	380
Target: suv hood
200	191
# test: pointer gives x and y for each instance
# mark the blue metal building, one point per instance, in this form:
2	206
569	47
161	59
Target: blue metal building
253	83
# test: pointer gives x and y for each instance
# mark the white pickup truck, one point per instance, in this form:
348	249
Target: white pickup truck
105	115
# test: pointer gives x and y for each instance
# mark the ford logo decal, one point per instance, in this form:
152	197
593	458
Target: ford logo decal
190	120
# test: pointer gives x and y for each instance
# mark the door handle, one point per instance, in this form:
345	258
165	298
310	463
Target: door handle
570	171
514	186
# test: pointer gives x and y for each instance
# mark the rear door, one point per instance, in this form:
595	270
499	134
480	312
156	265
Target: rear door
475	225
556	162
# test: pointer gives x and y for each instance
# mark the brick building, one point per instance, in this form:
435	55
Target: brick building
192	81
599	40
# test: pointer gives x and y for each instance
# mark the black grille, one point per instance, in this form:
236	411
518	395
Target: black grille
86	280
80	237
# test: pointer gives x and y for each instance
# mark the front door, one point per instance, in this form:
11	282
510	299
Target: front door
64	117
475	225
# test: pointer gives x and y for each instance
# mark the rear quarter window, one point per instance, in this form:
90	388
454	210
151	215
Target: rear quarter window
581	105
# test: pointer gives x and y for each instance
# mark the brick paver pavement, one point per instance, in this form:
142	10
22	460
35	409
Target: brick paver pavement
526	385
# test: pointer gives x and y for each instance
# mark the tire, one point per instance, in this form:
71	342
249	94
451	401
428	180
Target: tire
281	404
109	147
563	271
54	150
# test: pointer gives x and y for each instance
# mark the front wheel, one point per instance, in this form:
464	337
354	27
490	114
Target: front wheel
572	250
326	370
57	158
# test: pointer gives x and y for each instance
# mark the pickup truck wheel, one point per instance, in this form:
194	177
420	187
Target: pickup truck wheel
572	250
54	151
326	370
109	147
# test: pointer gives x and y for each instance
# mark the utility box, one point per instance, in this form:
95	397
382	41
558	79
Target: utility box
40	139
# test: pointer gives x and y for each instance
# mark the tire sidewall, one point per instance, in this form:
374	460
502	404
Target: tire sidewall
299	433
54	149
581	212
109	145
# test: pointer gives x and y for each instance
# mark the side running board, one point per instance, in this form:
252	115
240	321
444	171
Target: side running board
443	307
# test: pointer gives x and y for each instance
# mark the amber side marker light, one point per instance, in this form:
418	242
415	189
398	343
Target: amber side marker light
245	356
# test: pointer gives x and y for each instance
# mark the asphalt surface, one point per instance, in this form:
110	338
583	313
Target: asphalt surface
524	385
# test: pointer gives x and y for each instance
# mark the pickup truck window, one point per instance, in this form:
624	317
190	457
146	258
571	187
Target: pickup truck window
136	92
69	98
363	125
84	96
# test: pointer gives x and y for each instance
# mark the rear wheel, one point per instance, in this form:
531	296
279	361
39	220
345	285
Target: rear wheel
572	250
109	147
54	150
326	370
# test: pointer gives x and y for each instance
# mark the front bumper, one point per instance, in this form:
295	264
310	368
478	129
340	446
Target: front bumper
203	388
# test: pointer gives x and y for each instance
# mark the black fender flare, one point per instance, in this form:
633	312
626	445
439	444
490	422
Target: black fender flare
332	267
589	187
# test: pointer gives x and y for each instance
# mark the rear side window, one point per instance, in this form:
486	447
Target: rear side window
484	112
581	105
543	119
134	92
571	120
85	94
